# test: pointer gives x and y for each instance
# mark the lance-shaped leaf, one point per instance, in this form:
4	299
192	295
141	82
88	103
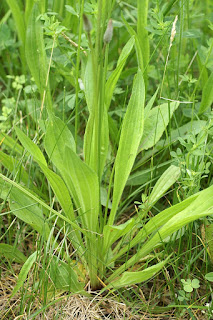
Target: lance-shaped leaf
156	123
113	233
14	166
154	224
113	78
83	184
200	207
24	272
12	253
4	192
64	277
28	211
57	137
89	84
91	143
130	278
150	104
18	16
35	53
207	95
94	157
60	190
131	134
168	178
54	179
31	147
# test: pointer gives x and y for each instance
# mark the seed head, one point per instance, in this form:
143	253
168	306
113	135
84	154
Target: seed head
109	32
173	32
87	24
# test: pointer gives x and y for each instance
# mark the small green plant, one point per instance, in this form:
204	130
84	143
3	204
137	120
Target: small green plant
183	295
190	285
100	243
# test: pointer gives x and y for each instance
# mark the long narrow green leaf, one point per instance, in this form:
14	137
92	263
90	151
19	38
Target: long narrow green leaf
155	223
142	32
82	182
89	84
93	129
10	143
35	53
12	253
31	147
32	196
168	178
14	167
24	272
200	207
131	134
130	278
28	9
207	95
150	104
57	137
64	277
20	26
28	211
60	190
90	142
113	233
156	123
112	81
55	180
137	44
19	19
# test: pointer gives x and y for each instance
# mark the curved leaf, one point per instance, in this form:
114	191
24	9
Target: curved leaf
24	272
31	147
130	278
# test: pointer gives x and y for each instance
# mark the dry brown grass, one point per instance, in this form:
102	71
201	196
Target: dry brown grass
73	307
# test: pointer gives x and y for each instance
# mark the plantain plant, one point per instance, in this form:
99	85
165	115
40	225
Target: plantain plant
99	241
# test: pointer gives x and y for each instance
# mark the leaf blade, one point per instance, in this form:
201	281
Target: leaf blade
131	133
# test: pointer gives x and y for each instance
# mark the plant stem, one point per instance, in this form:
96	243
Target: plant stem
143	33
77	71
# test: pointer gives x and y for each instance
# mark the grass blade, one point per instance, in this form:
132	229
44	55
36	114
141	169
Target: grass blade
24	272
